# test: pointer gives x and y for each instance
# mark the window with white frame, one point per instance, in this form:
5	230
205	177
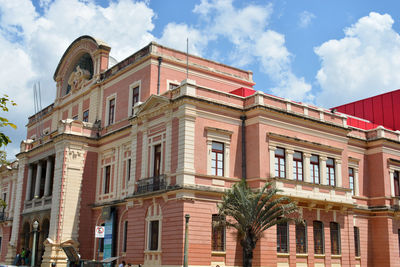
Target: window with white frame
128	170
107	179
314	169
134	96
280	163
111	111
351	180
298	166
217	159
330	171
154	220
396	183
218	150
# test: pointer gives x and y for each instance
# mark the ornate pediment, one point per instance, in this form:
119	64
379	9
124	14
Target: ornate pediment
153	103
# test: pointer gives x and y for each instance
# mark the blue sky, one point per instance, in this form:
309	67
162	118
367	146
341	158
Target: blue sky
321	52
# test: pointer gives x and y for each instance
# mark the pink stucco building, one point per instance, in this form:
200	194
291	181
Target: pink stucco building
137	145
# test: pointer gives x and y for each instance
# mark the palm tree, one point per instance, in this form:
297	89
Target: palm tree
251	212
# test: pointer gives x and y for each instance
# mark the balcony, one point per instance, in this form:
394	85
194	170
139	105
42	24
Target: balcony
314	192
37	204
151	184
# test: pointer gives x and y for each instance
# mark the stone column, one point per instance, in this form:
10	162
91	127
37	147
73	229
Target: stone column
289	164
12	245
144	154
49	170
338	172
38	178
323	170
29	183
272	161
306	168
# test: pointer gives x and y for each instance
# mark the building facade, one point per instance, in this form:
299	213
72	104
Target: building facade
137	145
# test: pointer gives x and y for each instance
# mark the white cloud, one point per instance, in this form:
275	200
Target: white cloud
247	29
175	36
363	63
32	44
305	18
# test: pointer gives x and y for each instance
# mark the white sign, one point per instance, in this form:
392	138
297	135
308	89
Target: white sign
99	232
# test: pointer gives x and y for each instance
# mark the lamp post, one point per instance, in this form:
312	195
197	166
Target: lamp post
185	252
35	228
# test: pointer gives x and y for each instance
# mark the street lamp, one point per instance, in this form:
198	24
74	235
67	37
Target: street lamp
185	252
35	228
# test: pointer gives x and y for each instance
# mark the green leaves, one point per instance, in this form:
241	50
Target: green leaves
252	212
4	103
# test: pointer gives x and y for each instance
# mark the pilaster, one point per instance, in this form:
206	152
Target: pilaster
64	222
272	161
185	170
323	170
12	246
306	169
289	164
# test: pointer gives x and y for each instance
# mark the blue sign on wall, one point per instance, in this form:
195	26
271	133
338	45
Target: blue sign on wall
108	237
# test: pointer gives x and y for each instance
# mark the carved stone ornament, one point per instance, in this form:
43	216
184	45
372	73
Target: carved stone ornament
78	78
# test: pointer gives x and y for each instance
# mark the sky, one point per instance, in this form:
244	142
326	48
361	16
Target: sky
322	52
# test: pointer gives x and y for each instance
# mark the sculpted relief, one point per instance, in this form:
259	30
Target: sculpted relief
78	78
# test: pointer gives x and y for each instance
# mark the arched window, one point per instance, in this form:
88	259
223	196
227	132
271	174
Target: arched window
301	238
85	63
335	238
318	228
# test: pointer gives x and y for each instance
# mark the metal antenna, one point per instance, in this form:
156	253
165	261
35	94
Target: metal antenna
187	58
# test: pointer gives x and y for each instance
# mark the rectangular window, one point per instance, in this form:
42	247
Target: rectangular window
218	233
111	111
301	238
357	241
280	162
351	180
335	238
330	171
282	237
318	229
153	238
314	168
85	116
298	166
172	86
128	170
135	97
125	237
396	183
107	178
217	159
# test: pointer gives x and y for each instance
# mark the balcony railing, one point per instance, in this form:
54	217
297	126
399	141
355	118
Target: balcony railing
151	184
